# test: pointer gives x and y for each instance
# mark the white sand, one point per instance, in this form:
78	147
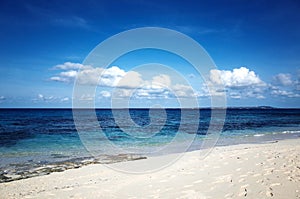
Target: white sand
242	171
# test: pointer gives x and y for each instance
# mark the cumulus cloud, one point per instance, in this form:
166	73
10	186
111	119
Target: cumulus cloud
130	79
284	93
181	90
69	66
238	77
238	83
160	86
284	79
277	91
162	79
89	75
285	85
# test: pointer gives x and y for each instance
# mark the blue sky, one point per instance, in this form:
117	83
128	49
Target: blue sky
254	44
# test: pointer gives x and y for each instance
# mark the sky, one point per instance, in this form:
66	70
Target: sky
255	46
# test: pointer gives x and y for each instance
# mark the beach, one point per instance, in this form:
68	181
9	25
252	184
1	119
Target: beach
267	170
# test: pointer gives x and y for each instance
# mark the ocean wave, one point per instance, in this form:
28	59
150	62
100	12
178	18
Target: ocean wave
290	132
258	135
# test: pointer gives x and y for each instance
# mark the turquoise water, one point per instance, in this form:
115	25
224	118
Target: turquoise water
45	136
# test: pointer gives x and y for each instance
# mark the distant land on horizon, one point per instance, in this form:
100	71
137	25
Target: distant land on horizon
102	108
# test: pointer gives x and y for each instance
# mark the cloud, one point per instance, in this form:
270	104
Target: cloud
285	85
162	79
89	75
131	79
86	97
69	66
65	99
298	81
235	95
105	94
42	97
238	77
57	18
152	92
256	92
238	83
283	93
181	90
159	87
67	76
284	79
71	21
113	77
2	99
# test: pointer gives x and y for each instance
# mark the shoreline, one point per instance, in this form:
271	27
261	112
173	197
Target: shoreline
246	170
36	169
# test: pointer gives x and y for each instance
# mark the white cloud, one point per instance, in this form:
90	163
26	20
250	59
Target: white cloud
120	93
284	93
86	97
2	98
152	92
235	95
281	92
238	83
58	79
256	93
284	79
44	98
162	79
181	90
159	86
69	66
298	81
285	85
90	76
105	94
130	79
40	96
65	99
238	77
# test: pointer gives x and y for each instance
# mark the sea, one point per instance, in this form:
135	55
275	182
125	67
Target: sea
40	141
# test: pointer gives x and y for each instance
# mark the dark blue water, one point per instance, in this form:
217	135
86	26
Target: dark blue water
50	135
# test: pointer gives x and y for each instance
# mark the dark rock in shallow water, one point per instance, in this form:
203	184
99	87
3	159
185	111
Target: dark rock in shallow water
28	170
3	178
55	155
